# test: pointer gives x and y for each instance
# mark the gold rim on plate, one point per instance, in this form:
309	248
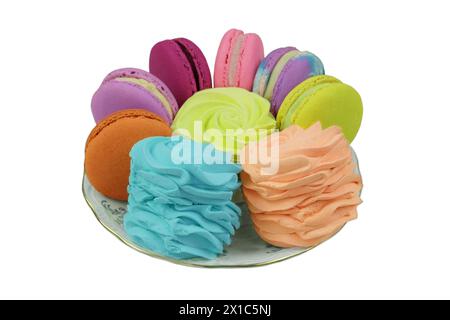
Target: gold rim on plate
193	264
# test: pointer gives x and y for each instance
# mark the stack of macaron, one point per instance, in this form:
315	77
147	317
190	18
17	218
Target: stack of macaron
176	148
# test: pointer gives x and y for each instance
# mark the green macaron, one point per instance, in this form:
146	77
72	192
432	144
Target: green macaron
326	99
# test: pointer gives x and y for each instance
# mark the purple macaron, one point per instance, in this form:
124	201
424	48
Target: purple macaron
133	89
281	71
182	66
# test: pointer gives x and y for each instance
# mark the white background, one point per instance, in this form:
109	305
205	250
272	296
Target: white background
54	55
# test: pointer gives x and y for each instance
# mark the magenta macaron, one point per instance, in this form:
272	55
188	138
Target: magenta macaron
281	71
133	89
182	66
237	60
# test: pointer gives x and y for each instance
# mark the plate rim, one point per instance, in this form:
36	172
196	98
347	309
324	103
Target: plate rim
196	265
181	262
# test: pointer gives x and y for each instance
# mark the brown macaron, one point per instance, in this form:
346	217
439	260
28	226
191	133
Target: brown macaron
107	160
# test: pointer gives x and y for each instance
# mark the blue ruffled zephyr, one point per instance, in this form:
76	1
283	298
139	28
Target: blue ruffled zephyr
180	195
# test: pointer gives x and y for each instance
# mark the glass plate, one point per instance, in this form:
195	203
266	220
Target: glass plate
246	250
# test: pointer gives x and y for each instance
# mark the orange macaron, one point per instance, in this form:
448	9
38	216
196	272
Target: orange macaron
107	160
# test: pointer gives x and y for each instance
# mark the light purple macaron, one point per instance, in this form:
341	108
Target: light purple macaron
131	88
281	71
266	67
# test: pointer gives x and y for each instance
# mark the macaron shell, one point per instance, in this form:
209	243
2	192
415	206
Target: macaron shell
141	74
204	73
252	53
107	161
113	96
223	57
295	93
266	67
295	72
333	104
171	64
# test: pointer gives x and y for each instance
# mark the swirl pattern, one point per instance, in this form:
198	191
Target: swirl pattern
313	194
180	195
228	118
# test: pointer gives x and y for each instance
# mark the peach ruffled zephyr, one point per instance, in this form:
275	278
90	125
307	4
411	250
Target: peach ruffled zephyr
314	192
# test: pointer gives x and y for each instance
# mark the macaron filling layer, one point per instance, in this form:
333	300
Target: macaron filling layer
151	88
192	63
233	66
268	92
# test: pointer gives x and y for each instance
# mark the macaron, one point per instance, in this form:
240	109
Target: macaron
325	99
107	160
237	60
281	71
182	66
133	89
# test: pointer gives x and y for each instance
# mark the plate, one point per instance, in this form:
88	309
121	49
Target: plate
246	250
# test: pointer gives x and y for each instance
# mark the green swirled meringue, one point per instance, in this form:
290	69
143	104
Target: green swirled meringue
228	118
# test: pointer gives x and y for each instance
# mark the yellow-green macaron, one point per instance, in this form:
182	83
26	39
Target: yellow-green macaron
326	99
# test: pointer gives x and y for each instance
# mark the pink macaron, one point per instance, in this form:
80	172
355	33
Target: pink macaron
237	60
